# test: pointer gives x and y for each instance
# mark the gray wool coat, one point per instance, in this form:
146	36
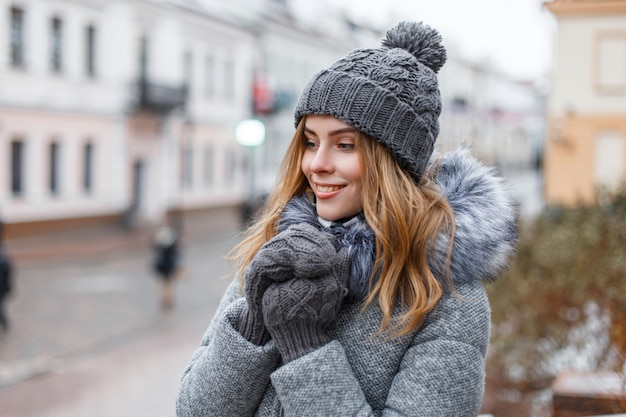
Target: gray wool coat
437	370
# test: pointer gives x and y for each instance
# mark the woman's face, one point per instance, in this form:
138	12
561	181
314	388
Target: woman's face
332	166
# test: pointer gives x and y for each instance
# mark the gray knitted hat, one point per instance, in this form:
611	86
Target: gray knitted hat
390	93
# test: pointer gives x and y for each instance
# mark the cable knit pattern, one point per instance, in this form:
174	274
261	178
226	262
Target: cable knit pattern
298	312
300	251
354	235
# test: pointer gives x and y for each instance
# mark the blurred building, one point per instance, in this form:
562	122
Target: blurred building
586	147
116	111
120	112
124	111
501	119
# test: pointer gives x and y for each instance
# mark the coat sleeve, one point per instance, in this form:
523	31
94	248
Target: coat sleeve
441	374
217	378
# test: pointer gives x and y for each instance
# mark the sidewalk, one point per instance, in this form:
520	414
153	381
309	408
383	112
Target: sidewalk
140	378
86	302
101	239
88	240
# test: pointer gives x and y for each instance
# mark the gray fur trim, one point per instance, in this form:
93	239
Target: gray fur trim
486	219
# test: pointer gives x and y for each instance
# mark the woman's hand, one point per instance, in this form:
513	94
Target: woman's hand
298	312
301	251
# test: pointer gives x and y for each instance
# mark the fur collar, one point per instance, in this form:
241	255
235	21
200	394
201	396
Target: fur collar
486	226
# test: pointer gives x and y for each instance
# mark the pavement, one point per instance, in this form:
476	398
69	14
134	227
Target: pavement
101	239
138	378
88	336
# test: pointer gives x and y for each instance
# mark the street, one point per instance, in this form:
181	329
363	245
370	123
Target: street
88	337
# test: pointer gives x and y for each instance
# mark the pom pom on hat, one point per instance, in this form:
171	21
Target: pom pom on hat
389	93
420	40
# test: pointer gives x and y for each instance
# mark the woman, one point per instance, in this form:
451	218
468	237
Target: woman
166	264
360	291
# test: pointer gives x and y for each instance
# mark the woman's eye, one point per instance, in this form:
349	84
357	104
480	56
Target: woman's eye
309	144
346	146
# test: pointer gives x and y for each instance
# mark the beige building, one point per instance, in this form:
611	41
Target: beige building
586	110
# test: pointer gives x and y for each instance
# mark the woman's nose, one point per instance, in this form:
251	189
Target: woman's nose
322	161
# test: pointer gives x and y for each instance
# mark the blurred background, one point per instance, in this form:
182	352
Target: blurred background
138	131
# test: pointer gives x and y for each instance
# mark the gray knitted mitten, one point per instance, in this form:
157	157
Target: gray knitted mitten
301	251
298	312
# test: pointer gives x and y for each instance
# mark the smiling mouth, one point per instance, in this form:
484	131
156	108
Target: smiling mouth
328	188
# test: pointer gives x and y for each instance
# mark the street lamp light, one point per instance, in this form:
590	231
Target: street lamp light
251	133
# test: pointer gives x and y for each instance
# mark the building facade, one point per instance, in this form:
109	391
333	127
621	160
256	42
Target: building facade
586	135
499	118
117	111
125	111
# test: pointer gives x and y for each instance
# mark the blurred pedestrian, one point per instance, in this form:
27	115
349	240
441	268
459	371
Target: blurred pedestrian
358	289
5	282
166	263
252	208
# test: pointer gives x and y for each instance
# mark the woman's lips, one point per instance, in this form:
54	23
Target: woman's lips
325	190
328	188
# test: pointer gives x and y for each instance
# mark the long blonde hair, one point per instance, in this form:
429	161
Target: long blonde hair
406	219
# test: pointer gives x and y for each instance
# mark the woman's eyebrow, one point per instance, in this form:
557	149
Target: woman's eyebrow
333	132
341	131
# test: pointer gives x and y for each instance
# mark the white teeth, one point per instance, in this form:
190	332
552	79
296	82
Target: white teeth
328	188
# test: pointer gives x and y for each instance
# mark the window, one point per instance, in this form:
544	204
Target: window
17	37
230	167
210	76
53	165
143	58
187	167
137	185
17	167
609	164
229	79
188	65
56	45
90	51
209	176
611	62
88	159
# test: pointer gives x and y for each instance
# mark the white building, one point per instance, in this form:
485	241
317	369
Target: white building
501	119
93	123
117	110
